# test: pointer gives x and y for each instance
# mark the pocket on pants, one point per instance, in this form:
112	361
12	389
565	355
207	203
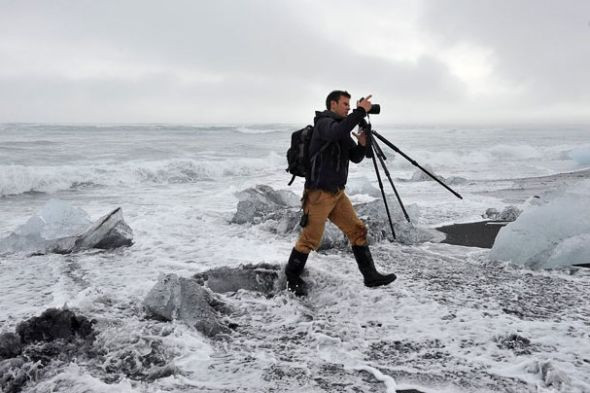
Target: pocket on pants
316	196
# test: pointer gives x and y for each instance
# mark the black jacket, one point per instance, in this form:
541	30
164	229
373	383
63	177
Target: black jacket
329	166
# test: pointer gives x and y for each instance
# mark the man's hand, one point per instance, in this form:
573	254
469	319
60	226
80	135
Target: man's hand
361	137
365	103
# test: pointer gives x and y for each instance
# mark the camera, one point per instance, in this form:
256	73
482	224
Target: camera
375	109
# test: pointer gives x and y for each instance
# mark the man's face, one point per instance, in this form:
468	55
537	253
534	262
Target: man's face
341	107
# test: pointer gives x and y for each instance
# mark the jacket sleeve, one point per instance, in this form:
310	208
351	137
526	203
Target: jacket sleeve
357	153
332	131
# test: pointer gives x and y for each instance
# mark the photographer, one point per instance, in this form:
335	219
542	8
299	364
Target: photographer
324	198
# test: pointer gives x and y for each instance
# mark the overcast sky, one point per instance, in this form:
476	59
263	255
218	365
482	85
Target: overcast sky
261	61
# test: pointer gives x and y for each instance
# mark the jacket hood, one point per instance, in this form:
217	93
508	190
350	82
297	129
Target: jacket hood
326	114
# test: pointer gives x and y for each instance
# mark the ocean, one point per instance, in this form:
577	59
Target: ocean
434	329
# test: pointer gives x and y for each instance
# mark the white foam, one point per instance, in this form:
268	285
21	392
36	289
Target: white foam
75	379
19	179
253	130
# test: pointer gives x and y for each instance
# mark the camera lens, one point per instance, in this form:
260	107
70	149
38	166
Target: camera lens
375	109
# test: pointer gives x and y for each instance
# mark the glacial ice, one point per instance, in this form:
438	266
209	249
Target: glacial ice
581	155
55	219
553	232
510	213
58	227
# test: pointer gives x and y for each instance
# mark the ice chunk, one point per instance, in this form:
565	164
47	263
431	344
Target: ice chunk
260	200
56	219
550	234
60	228
510	213
581	155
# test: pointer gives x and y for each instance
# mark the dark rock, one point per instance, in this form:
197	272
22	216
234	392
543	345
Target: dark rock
260	278
261	200
175	297
57	335
54	324
10	345
518	344
110	231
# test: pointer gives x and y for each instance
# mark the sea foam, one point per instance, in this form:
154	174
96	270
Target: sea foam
20	179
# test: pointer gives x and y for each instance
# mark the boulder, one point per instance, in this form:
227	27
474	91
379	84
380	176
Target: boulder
257	202
10	345
57	334
110	231
179	298
260	278
54	324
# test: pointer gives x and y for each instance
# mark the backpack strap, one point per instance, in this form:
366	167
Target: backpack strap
292	180
315	156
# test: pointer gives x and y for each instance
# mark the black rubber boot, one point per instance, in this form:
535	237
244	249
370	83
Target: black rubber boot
293	272
372	277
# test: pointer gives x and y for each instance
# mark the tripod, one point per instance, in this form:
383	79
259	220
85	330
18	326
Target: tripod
375	151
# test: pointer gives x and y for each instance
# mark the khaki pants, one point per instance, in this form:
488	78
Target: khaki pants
321	205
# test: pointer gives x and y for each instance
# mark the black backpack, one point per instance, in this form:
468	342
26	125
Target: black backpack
298	159
298	153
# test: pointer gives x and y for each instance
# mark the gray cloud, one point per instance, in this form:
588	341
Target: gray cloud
542	45
257	61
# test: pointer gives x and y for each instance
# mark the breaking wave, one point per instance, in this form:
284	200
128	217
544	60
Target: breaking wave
265	129
495	161
484	155
20	179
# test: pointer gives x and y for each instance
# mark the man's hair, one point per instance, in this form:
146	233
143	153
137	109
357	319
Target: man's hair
335	96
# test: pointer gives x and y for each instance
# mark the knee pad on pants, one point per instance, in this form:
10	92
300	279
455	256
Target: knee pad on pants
359	235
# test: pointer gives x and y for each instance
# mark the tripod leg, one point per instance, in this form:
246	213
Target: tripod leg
413	162
382	191
399	199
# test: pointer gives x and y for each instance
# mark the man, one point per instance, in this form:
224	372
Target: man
324	197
